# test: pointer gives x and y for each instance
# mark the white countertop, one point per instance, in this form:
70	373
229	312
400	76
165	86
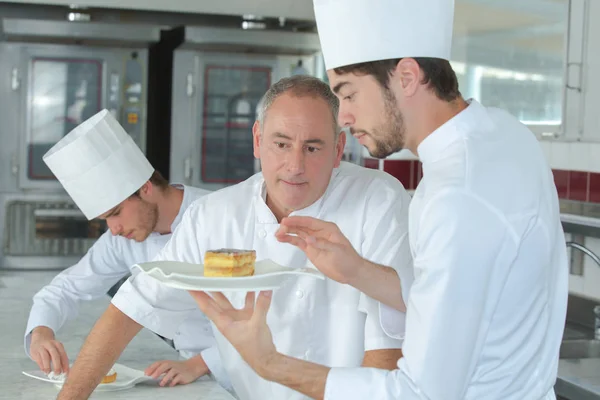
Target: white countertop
16	292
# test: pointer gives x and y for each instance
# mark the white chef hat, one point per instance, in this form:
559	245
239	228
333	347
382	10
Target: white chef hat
356	31
98	164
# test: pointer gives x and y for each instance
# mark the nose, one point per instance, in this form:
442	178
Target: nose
296	161
345	117
114	226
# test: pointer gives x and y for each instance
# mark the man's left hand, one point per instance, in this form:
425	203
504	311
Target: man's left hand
245	329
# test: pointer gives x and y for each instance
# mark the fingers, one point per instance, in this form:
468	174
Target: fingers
211	309
177	380
293	240
206	303
221	301
170	375
162	367
309	224
149	370
262	306
45	358
64	359
39	360
249	304
55	357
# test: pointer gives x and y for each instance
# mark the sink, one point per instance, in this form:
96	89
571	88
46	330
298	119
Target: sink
580	348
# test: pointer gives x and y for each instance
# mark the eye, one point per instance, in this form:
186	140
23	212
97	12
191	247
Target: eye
349	97
312	149
280	145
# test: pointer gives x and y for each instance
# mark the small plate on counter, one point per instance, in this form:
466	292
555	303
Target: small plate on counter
126	379
268	275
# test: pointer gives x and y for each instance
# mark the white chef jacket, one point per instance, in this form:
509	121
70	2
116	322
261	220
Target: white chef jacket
105	264
487	308
317	320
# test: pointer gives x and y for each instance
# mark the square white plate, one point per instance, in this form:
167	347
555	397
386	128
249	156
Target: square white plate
268	275
126	379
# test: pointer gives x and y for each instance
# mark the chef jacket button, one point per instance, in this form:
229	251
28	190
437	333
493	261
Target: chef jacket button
299	294
307	354
178	333
262	233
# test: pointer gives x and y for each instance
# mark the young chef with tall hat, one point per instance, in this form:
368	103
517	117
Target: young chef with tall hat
108	177
486	311
300	147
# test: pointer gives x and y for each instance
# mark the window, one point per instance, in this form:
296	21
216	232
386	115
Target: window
511	54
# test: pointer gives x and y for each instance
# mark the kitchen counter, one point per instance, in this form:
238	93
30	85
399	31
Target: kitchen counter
580	217
579	379
16	291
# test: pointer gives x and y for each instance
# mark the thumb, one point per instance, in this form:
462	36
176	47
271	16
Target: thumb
263	303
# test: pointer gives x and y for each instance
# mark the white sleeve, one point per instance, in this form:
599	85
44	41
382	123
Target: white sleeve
163	309
152	304
459	239
89	279
386	243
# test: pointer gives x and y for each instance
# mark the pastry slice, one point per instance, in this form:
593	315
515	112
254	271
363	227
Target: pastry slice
229	263
110	377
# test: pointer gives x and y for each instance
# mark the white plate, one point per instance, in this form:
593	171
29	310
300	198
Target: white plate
126	379
268	275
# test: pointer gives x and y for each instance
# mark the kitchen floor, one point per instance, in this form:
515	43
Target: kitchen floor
16	291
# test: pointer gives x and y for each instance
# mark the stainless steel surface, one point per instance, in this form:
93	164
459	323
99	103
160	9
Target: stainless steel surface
191	115
255	41
21	29
16	291
578	379
580	348
48	88
579	364
580	217
580	314
194	104
584	249
576	257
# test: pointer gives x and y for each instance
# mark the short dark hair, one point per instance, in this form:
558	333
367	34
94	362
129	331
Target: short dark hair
438	73
157	180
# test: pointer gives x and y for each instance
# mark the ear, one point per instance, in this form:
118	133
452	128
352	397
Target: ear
256	139
339	148
147	189
406	77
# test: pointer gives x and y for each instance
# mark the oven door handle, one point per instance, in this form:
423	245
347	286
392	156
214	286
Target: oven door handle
58	213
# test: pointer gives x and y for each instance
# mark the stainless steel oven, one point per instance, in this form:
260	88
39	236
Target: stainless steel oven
58	74
219	77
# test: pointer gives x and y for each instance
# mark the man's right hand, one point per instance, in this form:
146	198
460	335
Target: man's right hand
47	352
324	245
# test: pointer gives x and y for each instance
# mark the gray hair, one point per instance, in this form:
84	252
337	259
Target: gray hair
300	86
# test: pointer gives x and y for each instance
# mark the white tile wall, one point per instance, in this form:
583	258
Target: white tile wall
577	156
560	155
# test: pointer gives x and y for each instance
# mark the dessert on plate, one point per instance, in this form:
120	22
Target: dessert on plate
229	263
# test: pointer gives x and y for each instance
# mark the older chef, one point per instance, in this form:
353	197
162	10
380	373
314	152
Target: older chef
108	177
487	307
300	146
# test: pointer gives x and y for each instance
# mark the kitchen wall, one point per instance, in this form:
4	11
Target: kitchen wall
573	149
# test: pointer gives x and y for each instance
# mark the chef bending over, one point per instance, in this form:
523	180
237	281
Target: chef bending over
108	177
299	144
486	311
